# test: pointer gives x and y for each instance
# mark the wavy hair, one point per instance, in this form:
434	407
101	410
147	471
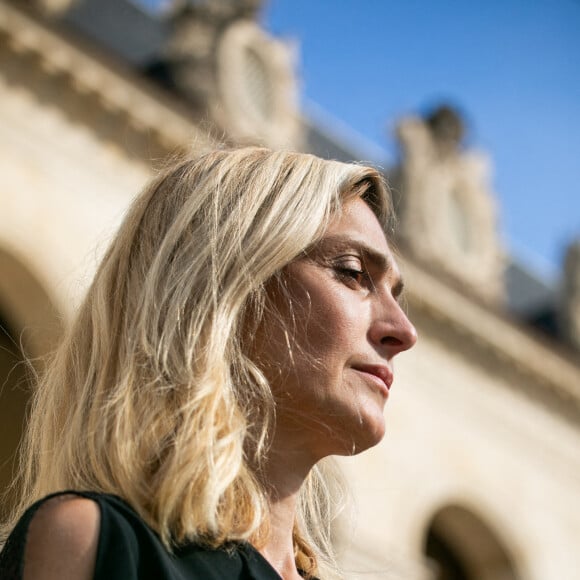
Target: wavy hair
152	395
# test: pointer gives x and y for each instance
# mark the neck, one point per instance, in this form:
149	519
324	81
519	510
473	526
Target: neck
285	473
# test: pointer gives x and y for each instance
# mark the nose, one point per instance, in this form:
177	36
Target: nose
391	332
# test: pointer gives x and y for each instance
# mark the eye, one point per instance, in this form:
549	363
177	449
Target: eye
351	271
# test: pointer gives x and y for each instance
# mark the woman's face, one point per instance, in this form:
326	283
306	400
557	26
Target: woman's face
330	361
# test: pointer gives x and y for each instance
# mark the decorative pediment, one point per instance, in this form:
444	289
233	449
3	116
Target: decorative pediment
446	206
570	304
235	75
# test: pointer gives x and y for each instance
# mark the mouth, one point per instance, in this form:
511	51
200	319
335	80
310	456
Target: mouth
380	375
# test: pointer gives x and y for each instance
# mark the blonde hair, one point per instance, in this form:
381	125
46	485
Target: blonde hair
151	395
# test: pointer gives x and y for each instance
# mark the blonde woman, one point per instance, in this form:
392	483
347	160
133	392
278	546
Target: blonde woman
241	328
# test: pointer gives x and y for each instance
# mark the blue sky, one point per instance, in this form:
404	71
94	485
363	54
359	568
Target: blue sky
512	67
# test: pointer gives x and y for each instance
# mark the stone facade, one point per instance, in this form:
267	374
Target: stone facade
77	142
479	469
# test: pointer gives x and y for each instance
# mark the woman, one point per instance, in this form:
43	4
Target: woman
240	329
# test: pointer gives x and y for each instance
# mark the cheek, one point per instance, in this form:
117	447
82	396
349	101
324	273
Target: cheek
333	325
304	344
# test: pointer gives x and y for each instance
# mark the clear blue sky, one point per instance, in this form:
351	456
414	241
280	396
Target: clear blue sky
512	66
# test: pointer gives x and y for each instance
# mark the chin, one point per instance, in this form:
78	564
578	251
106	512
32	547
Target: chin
364	437
374	439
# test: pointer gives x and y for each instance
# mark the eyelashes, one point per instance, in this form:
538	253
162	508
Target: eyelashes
352	272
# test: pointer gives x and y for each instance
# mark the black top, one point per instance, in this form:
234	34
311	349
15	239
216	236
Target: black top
128	549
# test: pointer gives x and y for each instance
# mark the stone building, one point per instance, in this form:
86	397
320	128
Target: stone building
479	475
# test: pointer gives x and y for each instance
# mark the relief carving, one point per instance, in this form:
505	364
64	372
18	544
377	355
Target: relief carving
233	73
446	208
570	305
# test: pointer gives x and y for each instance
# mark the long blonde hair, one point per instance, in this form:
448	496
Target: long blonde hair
151	395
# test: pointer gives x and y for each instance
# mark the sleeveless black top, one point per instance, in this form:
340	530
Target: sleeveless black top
129	550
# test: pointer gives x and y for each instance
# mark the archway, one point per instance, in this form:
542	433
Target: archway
29	328
461	546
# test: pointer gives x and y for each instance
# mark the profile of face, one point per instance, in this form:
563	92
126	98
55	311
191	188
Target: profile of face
328	352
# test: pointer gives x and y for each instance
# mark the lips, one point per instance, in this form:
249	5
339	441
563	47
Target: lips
381	374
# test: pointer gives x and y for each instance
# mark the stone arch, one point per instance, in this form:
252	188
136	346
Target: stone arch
27	307
461	545
29	327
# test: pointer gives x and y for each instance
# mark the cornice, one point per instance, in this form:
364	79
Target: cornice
118	92
492	331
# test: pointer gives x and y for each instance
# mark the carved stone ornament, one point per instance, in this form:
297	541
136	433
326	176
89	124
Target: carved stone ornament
219	11
446	208
237	76
256	87
570	305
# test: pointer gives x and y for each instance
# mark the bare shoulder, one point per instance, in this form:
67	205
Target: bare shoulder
63	539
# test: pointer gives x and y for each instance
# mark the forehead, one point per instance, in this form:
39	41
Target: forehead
359	220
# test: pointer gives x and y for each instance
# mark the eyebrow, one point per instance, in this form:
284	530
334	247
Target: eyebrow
369	255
